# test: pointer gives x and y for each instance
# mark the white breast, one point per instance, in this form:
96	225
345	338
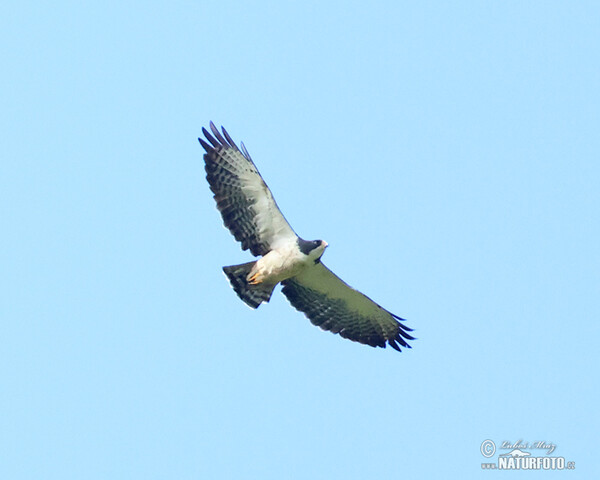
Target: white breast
281	263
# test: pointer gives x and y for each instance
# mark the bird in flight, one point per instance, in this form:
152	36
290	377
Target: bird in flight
249	211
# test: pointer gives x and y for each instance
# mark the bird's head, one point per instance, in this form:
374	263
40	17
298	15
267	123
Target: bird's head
312	249
318	251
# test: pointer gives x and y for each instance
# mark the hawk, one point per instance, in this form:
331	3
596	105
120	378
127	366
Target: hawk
250	212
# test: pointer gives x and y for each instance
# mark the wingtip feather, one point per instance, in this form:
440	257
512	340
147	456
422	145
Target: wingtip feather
245	152
205	145
210	138
229	139
218	135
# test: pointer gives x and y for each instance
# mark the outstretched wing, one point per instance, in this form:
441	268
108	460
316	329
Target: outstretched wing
246	204
335	306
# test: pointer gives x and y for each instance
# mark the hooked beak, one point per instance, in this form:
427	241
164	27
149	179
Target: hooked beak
325	244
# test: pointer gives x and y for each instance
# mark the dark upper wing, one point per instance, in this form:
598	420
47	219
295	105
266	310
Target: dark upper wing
246	204
335	306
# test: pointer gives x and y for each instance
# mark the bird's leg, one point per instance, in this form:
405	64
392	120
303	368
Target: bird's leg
253	280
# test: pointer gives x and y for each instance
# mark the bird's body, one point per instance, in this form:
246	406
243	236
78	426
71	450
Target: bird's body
253	217
283	262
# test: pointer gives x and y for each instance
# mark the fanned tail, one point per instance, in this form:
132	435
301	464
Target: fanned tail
251	295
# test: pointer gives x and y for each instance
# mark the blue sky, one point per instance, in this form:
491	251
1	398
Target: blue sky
447	151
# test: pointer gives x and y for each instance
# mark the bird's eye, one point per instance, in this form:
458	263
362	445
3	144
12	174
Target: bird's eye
316	243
